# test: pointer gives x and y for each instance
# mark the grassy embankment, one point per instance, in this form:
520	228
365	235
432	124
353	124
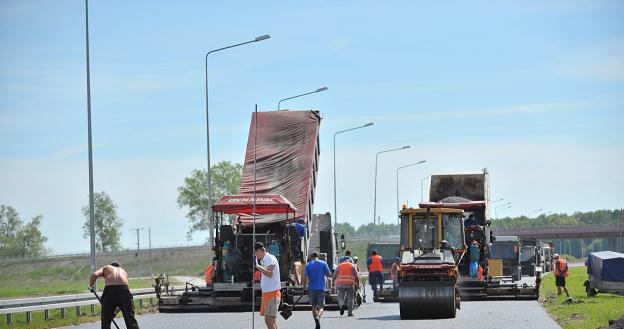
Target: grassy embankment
591	313
70	275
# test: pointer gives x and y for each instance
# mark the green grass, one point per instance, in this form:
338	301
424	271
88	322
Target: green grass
59	288
590	313
71	318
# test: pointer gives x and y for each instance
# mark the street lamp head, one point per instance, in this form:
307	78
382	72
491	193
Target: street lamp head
368	124
422	161
262	37
321	89
405	147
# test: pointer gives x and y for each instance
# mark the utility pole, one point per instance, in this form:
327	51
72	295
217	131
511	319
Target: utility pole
138	248
149	233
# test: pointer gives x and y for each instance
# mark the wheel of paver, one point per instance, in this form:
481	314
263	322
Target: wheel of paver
427	299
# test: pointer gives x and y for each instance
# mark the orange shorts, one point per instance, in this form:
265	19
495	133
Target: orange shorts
270	303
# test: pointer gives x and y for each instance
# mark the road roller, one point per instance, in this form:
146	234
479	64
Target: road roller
432	244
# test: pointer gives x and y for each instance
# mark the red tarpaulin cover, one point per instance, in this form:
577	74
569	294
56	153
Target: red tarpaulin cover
462	205
286	160
243	204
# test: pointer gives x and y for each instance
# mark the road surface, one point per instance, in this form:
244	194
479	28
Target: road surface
474	314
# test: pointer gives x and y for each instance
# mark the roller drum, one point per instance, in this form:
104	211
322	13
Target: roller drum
427	299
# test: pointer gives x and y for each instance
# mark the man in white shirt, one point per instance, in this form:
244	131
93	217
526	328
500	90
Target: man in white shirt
270	285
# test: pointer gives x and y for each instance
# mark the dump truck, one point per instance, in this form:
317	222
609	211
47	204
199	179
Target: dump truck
470	192
276	201
432	247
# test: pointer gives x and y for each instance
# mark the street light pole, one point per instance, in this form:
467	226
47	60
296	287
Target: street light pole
210	226
312	92
340	132
501	206
376	160
397	178
90	141
532	212
502	210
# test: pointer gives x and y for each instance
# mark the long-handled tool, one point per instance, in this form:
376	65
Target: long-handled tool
287	309
100	300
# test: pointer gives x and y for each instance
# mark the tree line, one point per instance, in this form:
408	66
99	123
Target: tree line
597	217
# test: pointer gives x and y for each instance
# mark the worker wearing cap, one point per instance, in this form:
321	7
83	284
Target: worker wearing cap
561	271
270	285
346	280
375	274
116	294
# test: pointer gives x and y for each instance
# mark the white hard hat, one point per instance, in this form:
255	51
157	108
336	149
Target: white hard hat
556	256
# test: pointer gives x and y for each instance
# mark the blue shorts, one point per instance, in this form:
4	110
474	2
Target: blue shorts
317	297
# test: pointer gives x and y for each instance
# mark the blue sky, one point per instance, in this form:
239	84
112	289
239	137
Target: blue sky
532	90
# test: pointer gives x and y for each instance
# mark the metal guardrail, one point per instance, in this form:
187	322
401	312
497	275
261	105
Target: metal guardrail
45	304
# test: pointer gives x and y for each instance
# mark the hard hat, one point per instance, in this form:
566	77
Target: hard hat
355	258
556	256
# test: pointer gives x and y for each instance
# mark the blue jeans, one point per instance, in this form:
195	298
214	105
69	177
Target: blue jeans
376	278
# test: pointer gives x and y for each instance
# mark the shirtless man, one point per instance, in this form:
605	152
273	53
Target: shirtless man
116	294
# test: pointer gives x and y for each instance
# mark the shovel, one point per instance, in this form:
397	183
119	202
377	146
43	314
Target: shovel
287	309
98	298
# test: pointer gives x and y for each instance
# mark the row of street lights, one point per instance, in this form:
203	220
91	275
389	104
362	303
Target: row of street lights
261	38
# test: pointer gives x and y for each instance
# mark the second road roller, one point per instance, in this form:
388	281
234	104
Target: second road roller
432	244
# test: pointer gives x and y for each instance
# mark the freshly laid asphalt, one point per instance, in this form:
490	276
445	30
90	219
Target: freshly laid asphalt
495	314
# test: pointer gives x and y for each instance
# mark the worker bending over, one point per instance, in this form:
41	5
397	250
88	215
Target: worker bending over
116	294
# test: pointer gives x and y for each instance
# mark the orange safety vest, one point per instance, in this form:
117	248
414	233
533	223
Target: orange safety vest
209	271
376	265
561	266
345	273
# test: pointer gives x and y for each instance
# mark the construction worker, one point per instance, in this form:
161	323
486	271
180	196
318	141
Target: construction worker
346	280
375	274
560	271
394	272
315	272
358	294
209	272
116	294
347	256
270	285
355	262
